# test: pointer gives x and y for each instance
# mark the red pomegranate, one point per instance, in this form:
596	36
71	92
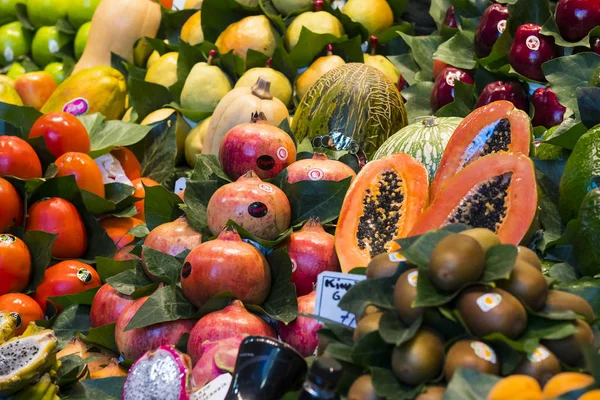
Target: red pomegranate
226	264
312	251
172	238
259	207
132	344
107	305
302	332
318	168
256	146
233	320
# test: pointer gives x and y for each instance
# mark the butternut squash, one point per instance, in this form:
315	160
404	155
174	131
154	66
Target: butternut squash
116	26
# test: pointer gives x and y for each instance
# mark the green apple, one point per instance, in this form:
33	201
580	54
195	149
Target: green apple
81	39
16	69
46	12
48	41
81	11
15	41
8	11
57	70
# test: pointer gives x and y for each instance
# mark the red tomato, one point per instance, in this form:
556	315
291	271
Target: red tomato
87	173
129	162
12	206
15	264
62	133
26	309
17	158
140	193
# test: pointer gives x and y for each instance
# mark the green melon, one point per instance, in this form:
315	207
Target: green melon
424	140
356	105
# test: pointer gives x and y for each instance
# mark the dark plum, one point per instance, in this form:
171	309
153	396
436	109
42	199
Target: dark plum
576	18
510	91
490	27
443	88
530	50
450	18
548	111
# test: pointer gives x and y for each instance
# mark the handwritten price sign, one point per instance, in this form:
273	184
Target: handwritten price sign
331	287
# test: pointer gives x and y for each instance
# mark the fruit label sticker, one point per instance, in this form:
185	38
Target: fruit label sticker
331	287
294	265
214	390
84	275
396	257
18	319
8	239
533	43
412	278
451	77
484	351
315	174
538	355
186	270
258	209
53	46
489	301
265	162
266	187
501	26
282	153
180	184
9	54
78	106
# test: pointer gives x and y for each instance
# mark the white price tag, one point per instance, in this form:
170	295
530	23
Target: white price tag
331	287
180	185
215	389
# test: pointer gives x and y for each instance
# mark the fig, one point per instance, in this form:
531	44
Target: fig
500	90
548	110
443	88
530	50
576	18
302	332
491	25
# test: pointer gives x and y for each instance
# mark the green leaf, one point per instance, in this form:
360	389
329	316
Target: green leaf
166	304
160	206
160	46
107	267
265	246
84	297
281	304
387	386
463	104
21	117
459	51
418	100
437	10
40	246
588	288
132	282
371	350
469	384
172	21
158	150
72	320
208	167
423	48
499	54
23	16
103	336
218	14
163	266
567	134
72	368
231	64
588	103
190	56
113	134
105	389
528	11
271	12
551	29
499	262
394	331
378	292
146	97
311	44
405	63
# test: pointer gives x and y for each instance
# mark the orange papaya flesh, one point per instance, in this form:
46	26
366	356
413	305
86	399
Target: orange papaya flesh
496	127
382	204
497	192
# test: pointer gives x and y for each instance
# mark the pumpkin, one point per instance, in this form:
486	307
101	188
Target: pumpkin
237	108
116	26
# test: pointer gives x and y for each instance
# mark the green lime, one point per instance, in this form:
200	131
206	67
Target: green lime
16	69
14	42
57	70
47	41
8	11
81	39
46	12
81	11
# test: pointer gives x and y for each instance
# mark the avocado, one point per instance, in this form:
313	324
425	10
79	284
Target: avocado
529	256
383	266
456	261
471	354
367	324
487	310
484	237
527	284
432	393
420	359
558	300
405	293
587	235
568	350
541	365
362	389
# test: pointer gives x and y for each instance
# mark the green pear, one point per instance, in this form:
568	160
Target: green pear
375	15
318	22
280	84
204	87
286	7
195	141
384	65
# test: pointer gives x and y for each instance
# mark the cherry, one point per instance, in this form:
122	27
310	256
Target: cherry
443	88
576	18
510	91
490	27
530	50
450	18
548	111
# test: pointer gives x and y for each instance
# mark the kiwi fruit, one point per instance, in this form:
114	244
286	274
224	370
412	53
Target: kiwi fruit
471	354
405	293
486	310
526	283
420	359
569	349
529	256
484	237
367	324
383	266
362	389
456	261
540	365
558	300
432	393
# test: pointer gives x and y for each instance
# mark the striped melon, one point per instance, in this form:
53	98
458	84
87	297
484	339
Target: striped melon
424	140
356	105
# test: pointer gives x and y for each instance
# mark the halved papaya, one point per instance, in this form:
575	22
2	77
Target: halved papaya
382	204
496	127
497	192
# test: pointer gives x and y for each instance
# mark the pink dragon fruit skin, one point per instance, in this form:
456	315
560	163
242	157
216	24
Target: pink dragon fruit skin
218	357
161	374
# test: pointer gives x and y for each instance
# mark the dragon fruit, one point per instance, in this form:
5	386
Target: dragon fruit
218	357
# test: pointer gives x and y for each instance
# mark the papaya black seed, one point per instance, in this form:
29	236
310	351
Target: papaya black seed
493	138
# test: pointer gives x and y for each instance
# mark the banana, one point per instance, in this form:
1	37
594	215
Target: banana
37	391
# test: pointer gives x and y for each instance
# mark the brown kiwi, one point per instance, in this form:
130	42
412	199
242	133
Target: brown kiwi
540	365
456	261
471	354
558	300
527	284
367	324
529	256
405	293
420	359
432	393
362	389
383	266
487	310
568	350
484	237
323	343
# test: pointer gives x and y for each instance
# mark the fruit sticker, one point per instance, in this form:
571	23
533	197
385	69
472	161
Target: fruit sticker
489	301
412	278
315	174
451	77
186	270
258	209
533	43
484	351
282	153
266	188
501	26
84	275
538	355
18	319
9	54
396	257
78	106
53	46
294	265
265	162
8	239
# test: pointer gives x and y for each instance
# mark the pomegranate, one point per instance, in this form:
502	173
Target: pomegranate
226	264
576	18
318	168
256	146
450	18
218	357
530	50
107	305
312	251
509	91
233	320
443	88
302	332
172	238
132	344
548	110
491	25
259	207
